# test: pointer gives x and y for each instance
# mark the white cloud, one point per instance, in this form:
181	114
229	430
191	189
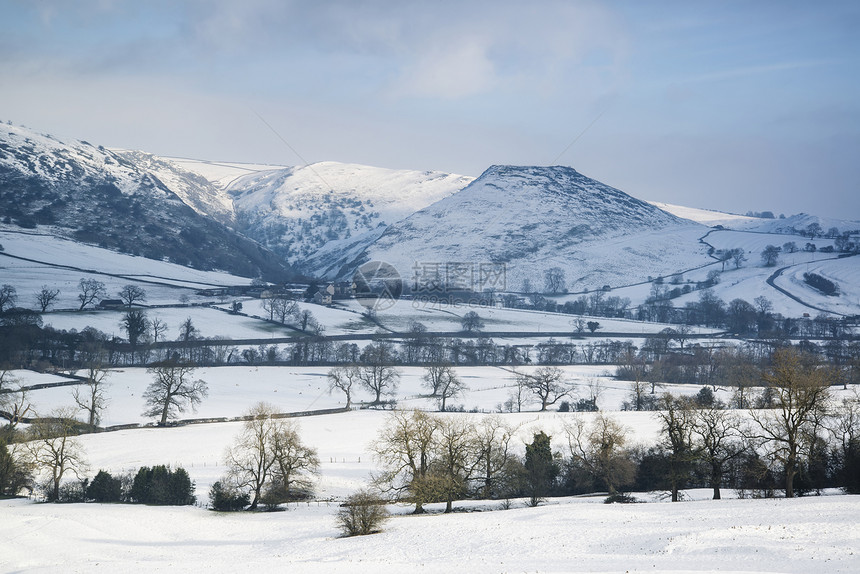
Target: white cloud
450	71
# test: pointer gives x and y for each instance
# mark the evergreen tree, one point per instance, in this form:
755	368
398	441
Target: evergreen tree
104	488
541	469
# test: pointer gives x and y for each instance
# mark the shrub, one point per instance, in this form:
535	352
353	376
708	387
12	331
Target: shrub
820	283
71	491
225	498
159	485
15	475
705	397
361	514
586	406
619	498
104	488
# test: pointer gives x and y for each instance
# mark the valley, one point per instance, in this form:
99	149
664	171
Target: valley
628	311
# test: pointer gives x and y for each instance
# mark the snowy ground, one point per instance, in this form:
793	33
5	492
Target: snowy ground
50	256
210	322
335	320
59	251
817	534
845	273
232	390
444	317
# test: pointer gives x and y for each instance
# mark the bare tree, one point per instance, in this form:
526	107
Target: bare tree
131	294
8	296
306	320
416	341
738	257
159	329
343	379
517	397
471	321
250	459
844	425
268	305
173	389
676	421
493	455
770	255
404	450
595	390
90	396
187	331
547	384
90	291
456	458
800	391
378	373
14	402
46	297
54	449
443	382
599	449
295	466
554	281
283	308
638	393
718	440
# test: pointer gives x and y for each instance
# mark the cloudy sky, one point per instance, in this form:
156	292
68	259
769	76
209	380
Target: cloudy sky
731	105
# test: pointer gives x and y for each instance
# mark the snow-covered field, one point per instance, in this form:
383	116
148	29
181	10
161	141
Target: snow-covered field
28	279
443	317
749	281
59	251
845	273
805	535
705	216
570	534
210	322
342	439
50	256
335	320
232	390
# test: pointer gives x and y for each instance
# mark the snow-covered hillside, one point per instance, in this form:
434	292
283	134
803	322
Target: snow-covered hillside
192	188
296	211
30	261
118	200
502	231
221	173
533	218
705	216
801	222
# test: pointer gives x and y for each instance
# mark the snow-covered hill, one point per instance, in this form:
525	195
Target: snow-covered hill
192	188
296	211
127	201
800	224
531	219
706	216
